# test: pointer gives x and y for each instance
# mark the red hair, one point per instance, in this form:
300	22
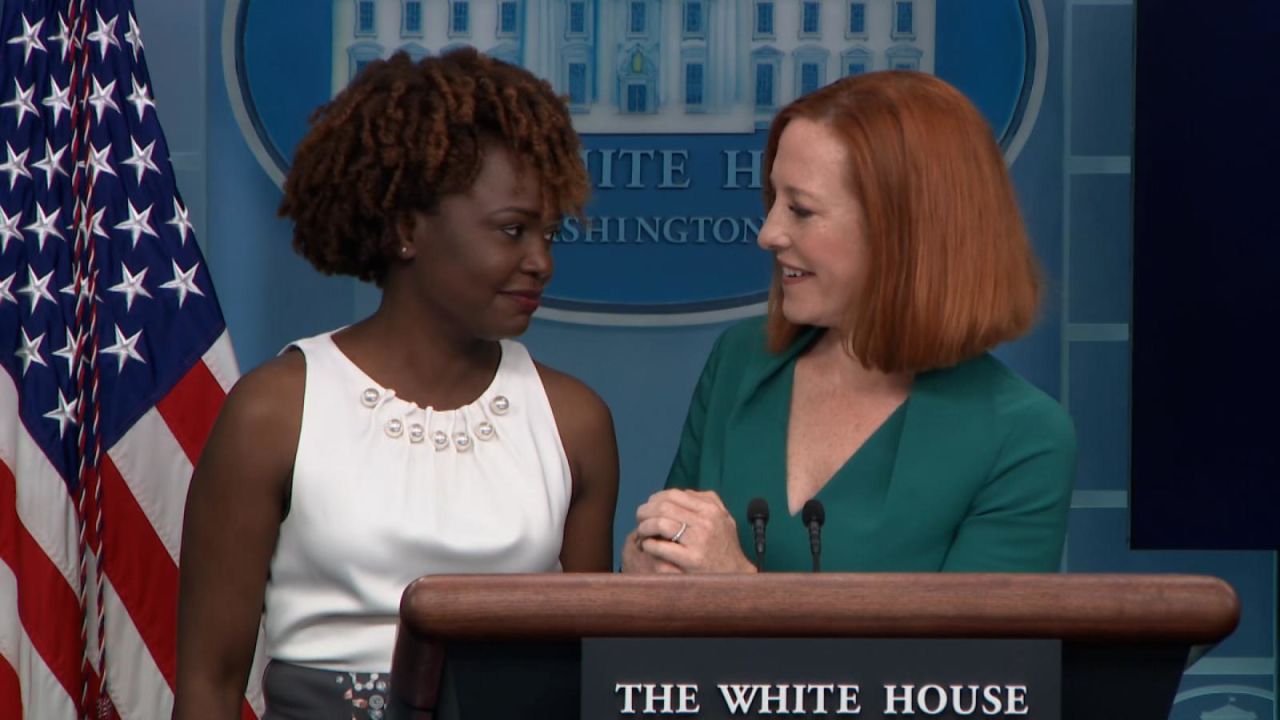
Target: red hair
951	272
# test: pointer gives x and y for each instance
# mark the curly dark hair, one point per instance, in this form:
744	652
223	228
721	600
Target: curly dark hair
402	135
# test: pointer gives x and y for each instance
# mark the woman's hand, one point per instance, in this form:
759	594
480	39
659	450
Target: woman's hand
689	531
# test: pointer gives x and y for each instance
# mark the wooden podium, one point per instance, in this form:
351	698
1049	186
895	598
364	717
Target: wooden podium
1125	638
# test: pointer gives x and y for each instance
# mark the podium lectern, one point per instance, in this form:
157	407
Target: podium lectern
479	646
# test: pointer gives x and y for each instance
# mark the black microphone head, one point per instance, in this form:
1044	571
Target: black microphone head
813	512
758	509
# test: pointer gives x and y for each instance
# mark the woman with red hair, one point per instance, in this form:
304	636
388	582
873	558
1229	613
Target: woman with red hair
901	260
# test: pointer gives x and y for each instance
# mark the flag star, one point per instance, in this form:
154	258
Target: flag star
63	37
141	159
134	37
9	228
131	286
139	223
16	165
125	348
68	351
5	284
45	226
37	289
51	163
58	99
21	102
140	98
95	223
65	413
183	282
29	39
105	35
100	160
101	97
180	221
29	351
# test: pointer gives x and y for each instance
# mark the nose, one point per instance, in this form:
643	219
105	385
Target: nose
537	260
772	236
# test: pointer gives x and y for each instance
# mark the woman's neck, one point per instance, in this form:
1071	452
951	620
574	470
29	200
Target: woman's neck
830	357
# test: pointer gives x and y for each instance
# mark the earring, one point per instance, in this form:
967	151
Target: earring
404	249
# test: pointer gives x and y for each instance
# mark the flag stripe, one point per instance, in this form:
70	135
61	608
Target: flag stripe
221	362
156	469
41	695
138	689
191	407
10	691
140	569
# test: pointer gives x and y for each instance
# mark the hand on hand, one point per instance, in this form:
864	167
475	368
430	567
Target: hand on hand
706	535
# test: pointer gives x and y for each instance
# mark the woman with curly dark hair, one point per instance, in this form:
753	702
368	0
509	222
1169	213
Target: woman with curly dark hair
420	440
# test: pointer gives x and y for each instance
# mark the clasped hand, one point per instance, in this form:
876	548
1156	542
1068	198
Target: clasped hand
706	536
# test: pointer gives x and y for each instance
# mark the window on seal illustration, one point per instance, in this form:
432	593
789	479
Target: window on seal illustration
360	55
508	16
857	20
810	77
637	98
577	18
577	83
694	23
459	18
810	14
636	18
764	19
903	57
904	19
693	75
411	18
764	85
365	18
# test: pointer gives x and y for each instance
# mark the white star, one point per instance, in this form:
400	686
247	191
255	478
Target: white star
134	37
180	221
68	351
137	224
63	36
37	289
141	159
101	97
131	286
5	284
125	348
45	226
95	223
21	102
100	160
183	282
140	97
65	413
51	163
29	39
105	35
9	228
29	352
58	100
16	165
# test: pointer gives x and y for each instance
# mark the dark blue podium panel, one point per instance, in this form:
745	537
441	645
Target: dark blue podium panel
1206	308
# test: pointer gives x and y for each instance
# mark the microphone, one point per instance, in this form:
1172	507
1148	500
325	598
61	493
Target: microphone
758	515
813	516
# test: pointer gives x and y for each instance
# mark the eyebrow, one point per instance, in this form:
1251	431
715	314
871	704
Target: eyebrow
518	210
795	191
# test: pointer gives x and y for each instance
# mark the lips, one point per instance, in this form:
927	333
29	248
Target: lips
793	273
526	300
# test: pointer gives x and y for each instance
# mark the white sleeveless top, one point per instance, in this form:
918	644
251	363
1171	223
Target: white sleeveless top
385	491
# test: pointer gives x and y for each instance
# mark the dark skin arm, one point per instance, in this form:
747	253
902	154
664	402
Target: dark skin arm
234	508
586	431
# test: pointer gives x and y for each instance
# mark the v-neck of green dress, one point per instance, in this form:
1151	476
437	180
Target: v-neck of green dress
853	496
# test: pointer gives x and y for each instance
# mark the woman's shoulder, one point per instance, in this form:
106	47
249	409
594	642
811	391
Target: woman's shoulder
1006	398
270	393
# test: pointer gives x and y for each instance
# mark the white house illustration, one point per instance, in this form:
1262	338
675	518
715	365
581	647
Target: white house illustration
653	66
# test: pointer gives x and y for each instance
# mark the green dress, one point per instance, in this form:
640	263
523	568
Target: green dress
972	473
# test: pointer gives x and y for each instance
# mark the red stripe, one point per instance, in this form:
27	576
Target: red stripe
47	605
140	569
246	711
191	407
10	692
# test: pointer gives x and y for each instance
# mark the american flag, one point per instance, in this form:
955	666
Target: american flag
115	362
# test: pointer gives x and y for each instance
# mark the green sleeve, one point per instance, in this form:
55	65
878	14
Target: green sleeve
684	469
1018	522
